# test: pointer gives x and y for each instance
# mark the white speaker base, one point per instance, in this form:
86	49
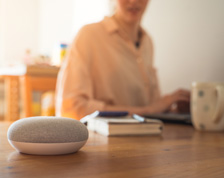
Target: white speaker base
47	148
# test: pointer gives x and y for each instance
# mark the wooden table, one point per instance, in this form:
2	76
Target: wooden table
179	152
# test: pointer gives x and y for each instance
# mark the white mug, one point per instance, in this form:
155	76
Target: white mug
207	106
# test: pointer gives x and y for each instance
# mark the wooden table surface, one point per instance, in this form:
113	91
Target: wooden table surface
179	152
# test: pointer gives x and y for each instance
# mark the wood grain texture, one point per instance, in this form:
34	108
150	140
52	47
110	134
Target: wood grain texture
179	152
11	97
34	83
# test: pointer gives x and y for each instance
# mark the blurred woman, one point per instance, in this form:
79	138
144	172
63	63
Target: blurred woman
110	68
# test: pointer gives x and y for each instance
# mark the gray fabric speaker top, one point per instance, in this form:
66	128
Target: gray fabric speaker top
47	130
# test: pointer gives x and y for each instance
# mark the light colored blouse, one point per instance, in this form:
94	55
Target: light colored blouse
104	67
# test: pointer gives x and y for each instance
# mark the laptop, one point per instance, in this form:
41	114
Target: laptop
182	118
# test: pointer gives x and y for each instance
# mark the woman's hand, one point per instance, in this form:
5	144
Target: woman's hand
166	102
162	105
182	103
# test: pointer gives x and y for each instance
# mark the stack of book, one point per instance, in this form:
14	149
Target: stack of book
119	126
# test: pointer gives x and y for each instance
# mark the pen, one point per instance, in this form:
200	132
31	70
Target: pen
138	118
85	119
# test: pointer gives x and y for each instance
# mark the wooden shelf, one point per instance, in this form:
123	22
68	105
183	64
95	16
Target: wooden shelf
19	88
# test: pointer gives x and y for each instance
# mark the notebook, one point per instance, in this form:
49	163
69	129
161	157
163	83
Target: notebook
184	118
122	124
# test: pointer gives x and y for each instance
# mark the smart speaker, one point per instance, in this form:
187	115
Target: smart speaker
47	135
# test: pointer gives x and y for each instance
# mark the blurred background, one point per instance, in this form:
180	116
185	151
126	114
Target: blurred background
188	38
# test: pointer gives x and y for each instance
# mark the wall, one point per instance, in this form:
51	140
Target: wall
60	20
19	29
189	41
2	22
89	11
56	24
